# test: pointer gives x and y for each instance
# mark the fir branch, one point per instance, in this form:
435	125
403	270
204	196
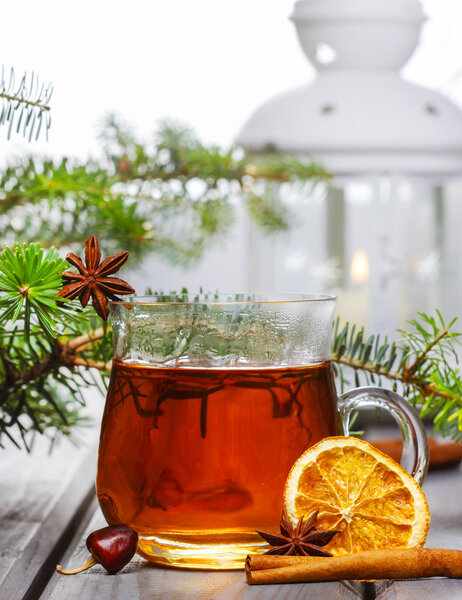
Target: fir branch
422	366
25	104
44	342
425	389
85	341
269	213
44	391
172	197
178	154
421	358
59	354
29	283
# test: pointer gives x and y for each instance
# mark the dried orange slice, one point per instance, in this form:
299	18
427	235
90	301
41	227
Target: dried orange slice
361	492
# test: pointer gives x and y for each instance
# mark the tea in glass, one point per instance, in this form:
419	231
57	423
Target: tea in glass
196	459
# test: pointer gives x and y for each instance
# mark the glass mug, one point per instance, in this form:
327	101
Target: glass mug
211	401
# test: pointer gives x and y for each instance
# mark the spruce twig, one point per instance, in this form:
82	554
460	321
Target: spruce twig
420	359
422	366
25	104
173	197
426	389
58	355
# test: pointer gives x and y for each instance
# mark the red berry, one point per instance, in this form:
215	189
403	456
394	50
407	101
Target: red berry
113	547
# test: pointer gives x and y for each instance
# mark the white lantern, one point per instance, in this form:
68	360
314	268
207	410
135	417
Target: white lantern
385	231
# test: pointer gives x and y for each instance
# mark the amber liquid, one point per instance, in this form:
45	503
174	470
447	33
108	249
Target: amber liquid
196	459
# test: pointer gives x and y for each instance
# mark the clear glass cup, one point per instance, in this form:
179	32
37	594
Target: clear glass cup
211	401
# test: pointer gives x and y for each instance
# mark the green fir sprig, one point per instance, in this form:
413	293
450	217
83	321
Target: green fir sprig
24	104
421	366
41	376
29	284
173	196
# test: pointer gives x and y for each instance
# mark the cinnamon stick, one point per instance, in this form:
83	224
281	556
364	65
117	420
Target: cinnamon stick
406	563
260	562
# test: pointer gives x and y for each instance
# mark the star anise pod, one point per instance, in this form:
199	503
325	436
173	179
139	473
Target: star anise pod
92	278
304	539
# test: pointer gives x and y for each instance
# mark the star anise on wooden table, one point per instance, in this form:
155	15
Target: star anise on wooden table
304	539
92	278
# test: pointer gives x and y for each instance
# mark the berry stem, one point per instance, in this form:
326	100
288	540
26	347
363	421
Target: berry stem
91	561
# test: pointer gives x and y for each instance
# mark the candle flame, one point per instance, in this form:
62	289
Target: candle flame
359	270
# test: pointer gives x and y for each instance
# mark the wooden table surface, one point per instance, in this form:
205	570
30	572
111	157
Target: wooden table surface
48	507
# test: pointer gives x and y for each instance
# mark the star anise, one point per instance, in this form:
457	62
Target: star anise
304	539
92	278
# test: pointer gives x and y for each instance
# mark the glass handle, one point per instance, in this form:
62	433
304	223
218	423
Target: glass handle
415	444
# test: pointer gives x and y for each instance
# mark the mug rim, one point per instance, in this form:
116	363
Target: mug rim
224	299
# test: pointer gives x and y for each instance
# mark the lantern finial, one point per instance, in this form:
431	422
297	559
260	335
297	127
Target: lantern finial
359	114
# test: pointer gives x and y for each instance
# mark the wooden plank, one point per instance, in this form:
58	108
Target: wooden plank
443	490
424	589
142	580
42	496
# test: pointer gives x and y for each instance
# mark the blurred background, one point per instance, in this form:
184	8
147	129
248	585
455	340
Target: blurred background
384	238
